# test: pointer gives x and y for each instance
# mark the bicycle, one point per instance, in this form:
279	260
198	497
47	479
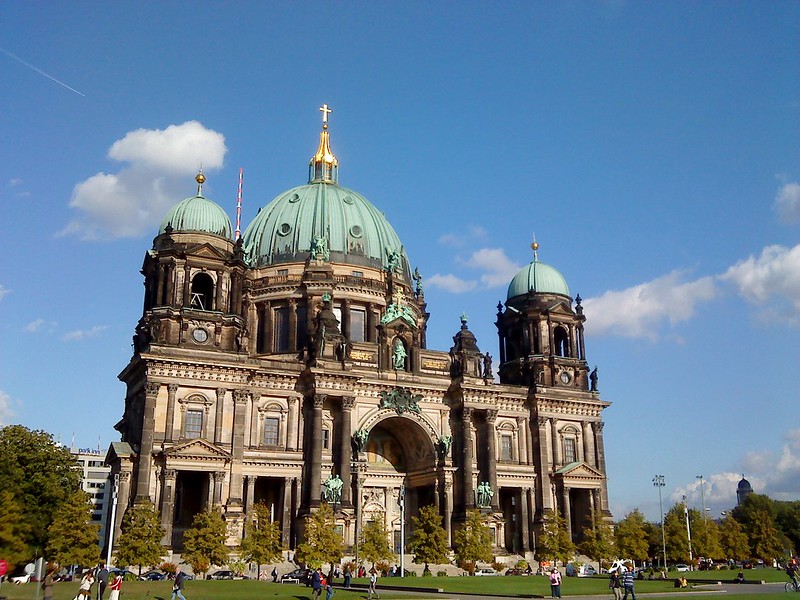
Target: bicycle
791	586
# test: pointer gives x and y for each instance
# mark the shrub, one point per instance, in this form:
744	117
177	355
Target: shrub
427	573
498	566
441	573
522	565
168	567
383	567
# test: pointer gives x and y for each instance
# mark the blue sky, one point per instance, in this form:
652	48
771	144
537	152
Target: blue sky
651	147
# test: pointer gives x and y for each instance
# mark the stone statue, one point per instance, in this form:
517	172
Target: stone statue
593	380
332	492
243	340
443	445
399	355
319	248
485	495
392	261
487	366
418	280
360	438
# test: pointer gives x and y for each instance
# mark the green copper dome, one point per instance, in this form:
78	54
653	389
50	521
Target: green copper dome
537	277
198	214
355	231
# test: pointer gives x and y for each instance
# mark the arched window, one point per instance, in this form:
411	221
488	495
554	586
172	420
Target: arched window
561	341
569	437
202	292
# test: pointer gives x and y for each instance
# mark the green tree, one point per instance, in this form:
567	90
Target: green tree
73	537
788	521
472	542
676	534
555	542
631	537
40	473
262	540
705	536
14	530
140	538
763	535
323	544
374	543
429	541
733	539
204	542
598	538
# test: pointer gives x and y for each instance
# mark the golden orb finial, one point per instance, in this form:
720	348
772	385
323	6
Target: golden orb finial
200	179
535	248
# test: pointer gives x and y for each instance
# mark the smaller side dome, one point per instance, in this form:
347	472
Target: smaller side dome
537	277
198	214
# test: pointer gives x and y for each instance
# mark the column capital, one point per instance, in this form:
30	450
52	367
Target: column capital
151	388
542	421
466	413
491	416
172	388
348	402
221	391
319	400
219	475
241	396
170	474
598	426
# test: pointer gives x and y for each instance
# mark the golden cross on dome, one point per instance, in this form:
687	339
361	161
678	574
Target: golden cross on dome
325	112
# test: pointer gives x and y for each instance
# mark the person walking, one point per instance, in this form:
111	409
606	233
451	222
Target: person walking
555	583
627	584
102	580
347	577
49	582
274	574
115	586
373	583
316	584
85	591
179	585
614	584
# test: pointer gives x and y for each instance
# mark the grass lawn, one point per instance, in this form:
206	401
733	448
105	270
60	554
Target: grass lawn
495	586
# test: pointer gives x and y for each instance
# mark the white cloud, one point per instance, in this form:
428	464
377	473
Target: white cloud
787	203
639	311
772	281
451	283
81	334
133	200
34	326
472	234
718	492
6	412
4	291
498	269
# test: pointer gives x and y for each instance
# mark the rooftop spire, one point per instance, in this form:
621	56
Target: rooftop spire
535	248
323	166
200	179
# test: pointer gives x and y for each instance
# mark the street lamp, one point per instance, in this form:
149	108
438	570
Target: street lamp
688	530
702	495
658	481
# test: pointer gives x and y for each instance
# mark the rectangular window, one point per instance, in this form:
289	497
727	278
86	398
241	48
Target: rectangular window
506	448
569	450
281	329
358	325
283	272
194	423
271	431
302	326
358	273
326	439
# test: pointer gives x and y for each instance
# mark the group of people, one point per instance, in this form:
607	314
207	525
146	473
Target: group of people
622	581
319	582
99	574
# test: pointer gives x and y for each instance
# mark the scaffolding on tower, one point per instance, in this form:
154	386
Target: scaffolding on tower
239	206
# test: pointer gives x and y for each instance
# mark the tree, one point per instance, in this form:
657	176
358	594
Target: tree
598	538
631	535
472	542
204	542
323	544
14	530
555	541
41	475
73	537
705	536
763	535
140	538
374	544
676	534
733	539
429	541
262	540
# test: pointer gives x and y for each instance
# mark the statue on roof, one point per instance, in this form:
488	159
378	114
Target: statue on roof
393	261
418	280
319	248
484	495
399	355
332	489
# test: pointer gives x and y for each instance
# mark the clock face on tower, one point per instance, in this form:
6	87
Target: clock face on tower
200	335
565	377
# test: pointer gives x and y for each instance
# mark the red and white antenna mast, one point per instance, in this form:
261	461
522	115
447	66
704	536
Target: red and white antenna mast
239	206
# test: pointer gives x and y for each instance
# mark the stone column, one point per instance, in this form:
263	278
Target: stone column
291	423
315	447
346	450
491	434
601	460
293	325
160	284
218	293
169	427
567	514
524	522
545	463
169	296
253	439
240	398
556	445
168	505
123	502
372	333
286	519
219	415
250	483
210	496
187	297
466	436
588	444
146	447
448	509
345	325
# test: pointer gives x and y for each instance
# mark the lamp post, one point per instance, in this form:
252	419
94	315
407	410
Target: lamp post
688	531
658	481
702	495
111	525
401	500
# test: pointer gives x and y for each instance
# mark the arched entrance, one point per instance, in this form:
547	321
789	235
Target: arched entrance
398	455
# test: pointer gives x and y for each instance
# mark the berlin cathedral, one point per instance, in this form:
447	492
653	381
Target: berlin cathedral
289	366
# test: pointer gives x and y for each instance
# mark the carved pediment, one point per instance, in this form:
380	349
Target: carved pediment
579	471
206	250
198	449
560	307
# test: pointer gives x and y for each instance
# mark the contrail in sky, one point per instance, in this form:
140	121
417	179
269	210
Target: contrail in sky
30	66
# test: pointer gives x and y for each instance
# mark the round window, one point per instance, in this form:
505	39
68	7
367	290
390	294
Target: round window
348	200
284	229
294	198
356	231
